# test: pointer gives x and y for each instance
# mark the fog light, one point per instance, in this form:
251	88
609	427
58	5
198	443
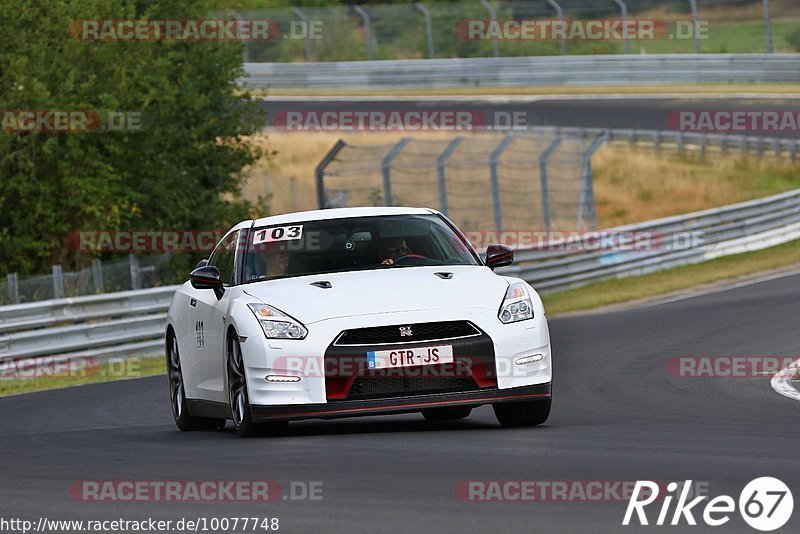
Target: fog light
282	378
529	359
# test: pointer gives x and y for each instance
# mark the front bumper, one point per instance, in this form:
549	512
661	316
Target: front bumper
333	410
305	359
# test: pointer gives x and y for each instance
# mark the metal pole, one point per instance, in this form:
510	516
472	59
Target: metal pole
624	11
302	14
543	177
97	276
134	266
367	29
679	144
560	15
496	153
58	282
695	26
587	195
293	192
322	198
493	17
428	28
386	168
13	288
768	27
441	161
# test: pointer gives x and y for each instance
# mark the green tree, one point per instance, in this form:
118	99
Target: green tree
182	170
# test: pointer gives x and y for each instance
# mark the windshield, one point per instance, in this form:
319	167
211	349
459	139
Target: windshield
358	243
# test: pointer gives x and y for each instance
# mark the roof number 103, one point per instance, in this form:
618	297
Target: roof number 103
279	233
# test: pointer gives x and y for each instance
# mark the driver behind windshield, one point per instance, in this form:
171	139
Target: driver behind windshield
391	249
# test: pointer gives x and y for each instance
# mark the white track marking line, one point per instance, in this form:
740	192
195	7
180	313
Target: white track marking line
782	381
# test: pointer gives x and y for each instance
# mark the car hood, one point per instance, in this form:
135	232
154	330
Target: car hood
382	291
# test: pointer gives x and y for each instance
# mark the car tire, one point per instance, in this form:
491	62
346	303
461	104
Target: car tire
239	399
447	414
177	393
526	413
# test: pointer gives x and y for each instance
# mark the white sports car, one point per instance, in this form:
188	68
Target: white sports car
355	311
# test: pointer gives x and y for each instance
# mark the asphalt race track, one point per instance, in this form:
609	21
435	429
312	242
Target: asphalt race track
599	112
617	416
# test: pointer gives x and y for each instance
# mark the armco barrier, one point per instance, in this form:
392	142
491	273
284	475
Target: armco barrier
529	71
116	325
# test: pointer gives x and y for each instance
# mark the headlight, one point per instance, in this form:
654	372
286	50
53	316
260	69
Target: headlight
276	324
516	304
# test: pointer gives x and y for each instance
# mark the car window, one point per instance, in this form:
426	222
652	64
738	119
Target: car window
349	244
224	258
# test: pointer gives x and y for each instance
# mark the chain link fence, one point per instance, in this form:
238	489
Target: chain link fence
538	180
135	272
440	29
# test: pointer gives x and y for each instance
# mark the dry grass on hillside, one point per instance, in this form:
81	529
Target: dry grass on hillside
630	185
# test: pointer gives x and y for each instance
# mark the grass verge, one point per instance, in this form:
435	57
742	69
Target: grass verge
55	377
680	278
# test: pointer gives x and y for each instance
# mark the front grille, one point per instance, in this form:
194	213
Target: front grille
377	335
381	386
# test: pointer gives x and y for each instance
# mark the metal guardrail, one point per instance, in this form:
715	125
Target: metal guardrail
99	326
672	242
119	325
529	71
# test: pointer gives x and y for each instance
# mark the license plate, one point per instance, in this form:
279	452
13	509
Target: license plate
385	359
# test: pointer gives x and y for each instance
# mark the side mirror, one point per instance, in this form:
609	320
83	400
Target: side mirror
207	277
499	256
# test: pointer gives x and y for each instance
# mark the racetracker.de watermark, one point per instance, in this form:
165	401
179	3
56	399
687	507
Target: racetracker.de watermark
61	121
67	366
194	491
557	490
243	29
144	240
379	120
578	30
587	241
734	120
731	366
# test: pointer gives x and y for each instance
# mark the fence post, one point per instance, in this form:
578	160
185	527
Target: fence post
134	265
367	29
386	169
695	26
743	146
778	148
428	28
587	195
97	276
793	151
657	142
632	137
560	15
13	288
624	12
496	153
768	27
307	41
703	146
322	198
544	185
679	144
493	17
441	161
58	282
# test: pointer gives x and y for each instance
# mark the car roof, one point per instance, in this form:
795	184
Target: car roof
339	213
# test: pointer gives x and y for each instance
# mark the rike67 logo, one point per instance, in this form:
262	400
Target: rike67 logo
765	504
